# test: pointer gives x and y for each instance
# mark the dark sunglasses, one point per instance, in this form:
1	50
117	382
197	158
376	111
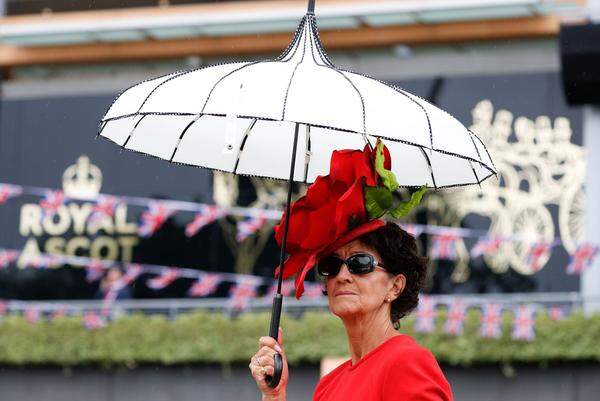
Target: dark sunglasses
359	263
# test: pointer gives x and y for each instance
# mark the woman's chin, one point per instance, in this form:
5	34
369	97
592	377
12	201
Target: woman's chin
343	308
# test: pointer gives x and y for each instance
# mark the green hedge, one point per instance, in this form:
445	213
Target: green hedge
201	337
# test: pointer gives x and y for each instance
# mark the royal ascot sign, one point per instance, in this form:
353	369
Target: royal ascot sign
70	230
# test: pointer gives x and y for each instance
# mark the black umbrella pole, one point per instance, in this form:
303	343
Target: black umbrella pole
311	6
273	381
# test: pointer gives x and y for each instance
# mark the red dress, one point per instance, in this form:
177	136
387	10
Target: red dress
397	370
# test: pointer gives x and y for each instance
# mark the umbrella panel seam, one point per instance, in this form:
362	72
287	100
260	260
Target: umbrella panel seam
287	92
242	144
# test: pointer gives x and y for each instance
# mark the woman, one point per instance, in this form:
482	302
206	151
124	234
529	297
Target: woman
384	364
373	277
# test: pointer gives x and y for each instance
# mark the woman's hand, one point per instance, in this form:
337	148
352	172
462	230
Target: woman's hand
262	364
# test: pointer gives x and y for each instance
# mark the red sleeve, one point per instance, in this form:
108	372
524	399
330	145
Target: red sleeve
416	376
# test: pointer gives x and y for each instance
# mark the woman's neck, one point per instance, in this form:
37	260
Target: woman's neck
365	333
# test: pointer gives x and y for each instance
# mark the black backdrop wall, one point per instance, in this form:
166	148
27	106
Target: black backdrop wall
40	138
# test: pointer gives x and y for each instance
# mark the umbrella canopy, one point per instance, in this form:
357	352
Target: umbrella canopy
242	118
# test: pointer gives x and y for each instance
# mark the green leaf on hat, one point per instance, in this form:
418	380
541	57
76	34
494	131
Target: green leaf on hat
404	208
377	201
388	179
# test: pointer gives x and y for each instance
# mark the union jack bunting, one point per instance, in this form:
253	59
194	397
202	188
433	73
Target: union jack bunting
206	284
132	271
313	290
455	318
413	229
105	207
443	246
491	321
111	293
32	314
485	246
153	219
94	270
241	292
582	258
166	277
209	214
7	257
287	286
51	202
8	191
249	226
524	324
59	312
92	320
556	313
536	255
425	315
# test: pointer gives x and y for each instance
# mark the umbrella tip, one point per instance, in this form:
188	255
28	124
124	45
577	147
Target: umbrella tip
311	6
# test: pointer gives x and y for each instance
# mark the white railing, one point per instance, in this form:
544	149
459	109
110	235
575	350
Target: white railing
173	307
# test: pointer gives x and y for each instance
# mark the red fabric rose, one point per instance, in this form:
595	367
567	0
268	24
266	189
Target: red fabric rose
333	209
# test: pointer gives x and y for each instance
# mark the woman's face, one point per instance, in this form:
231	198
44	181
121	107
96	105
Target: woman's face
351	294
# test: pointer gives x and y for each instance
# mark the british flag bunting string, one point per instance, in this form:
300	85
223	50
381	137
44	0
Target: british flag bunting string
443	239
154	218
51	202
7	257
208	215
206	284
92	320
537	253
313	290
164	279
491	321
249	226
455	318
242	291
58	313
105	207
443	246
485	245
287	287
94	270
557	313
8	191
425	315
413	229
524	323
132	271
32	314
582	258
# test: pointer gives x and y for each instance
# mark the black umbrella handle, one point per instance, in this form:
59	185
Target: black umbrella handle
273	381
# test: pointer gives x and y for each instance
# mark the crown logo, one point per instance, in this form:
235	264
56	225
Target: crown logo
82	180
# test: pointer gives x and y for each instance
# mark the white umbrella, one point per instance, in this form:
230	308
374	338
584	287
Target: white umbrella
249	118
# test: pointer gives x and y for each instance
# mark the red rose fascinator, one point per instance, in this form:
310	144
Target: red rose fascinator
340	207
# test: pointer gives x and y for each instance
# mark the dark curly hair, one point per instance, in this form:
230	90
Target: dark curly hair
398	251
